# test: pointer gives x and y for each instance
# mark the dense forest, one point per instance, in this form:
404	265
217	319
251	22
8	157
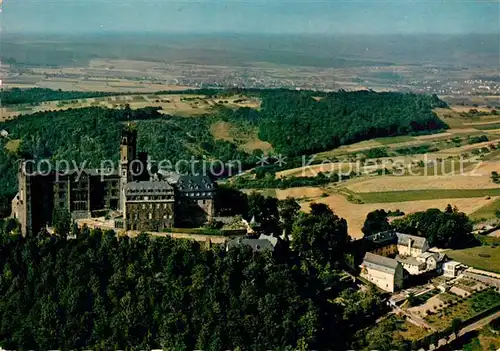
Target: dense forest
298	123
101	291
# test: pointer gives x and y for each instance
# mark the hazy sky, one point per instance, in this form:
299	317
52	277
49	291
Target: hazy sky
252	16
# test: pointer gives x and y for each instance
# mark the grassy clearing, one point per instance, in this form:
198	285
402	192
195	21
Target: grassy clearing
430	194
13	145
221	131
394	140
412	332
245	137
486	212
481	257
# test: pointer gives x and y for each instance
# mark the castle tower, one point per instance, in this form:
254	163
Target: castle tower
128	147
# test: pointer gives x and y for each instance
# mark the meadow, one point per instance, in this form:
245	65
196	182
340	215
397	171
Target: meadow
485	257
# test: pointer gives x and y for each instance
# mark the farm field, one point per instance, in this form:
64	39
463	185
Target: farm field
460	176
390	183
486	212
314	170
355	213
419	195
178	104
394	140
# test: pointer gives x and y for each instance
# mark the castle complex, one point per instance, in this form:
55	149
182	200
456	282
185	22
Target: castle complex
142	200
391	256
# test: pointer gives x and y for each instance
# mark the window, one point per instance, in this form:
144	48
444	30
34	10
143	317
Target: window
143	206
157	205
150	216
164	205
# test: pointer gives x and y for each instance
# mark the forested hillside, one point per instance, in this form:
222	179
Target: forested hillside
97	292
295	123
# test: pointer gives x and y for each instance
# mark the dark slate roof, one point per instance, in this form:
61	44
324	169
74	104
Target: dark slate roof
380	263
190	182
255	244
386	237
148	185
418	241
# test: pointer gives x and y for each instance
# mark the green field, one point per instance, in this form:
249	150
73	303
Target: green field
491	156
394	139
446	167
486	212
428	194
487	126
488	261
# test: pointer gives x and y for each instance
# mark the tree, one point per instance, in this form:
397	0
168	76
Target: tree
495	177
456	325
320	237
12	225
449	229
376	221
61	221
411	299
265	211
288	210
